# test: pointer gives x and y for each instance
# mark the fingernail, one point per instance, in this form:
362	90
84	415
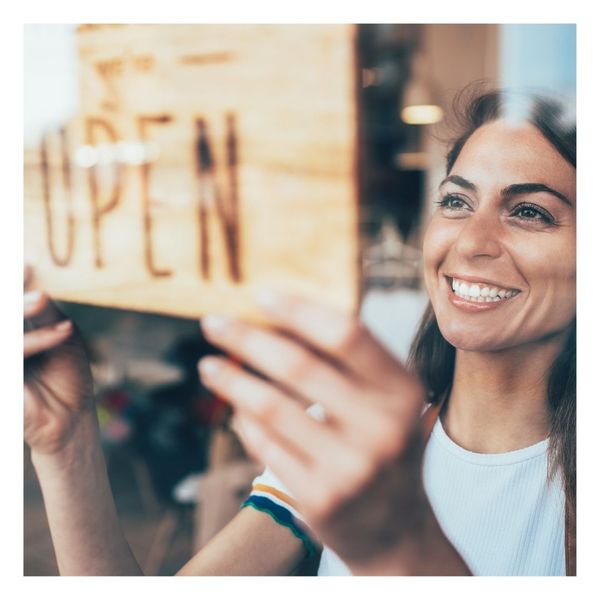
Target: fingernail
31	298
215	323
208	366
63	326
269	299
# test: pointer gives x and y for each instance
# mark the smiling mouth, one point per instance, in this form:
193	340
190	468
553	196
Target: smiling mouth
479	292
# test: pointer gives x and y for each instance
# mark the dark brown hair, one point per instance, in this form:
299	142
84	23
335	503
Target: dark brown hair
432	357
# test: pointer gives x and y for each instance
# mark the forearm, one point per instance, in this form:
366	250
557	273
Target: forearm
81	512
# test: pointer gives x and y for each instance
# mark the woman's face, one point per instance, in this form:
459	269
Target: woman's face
504	238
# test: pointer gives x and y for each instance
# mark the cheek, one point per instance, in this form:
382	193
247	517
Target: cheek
437	242
550	270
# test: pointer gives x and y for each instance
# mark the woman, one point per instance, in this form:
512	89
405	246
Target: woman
496	349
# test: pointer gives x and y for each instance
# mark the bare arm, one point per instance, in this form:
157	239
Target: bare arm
88	539
251	544
62	431
81	512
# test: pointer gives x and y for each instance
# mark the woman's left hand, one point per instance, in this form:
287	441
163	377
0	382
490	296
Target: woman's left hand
356	475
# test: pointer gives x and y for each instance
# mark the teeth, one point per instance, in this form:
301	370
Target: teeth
474	291
480	292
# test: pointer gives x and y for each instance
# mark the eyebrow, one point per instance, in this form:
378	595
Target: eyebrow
512	190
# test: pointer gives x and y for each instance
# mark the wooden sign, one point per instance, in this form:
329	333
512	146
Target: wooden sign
206	162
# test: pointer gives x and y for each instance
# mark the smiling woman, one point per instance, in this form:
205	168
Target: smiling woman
496	353
481	481
505	219
504	238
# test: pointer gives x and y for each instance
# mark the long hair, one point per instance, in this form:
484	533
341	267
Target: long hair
433	358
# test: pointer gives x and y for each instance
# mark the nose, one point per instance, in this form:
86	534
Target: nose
480	236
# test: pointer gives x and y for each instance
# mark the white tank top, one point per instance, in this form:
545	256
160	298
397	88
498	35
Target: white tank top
496	509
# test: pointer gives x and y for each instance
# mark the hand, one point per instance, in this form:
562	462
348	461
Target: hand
356	476
58	385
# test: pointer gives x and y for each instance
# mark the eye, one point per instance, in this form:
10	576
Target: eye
533	213
452	202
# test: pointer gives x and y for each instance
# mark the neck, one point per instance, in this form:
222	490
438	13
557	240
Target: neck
498	400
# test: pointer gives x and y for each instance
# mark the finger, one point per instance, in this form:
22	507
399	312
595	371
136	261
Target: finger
46	313
335	333
237	426
262	445
291	365
40	340
317	489
34	303
308	439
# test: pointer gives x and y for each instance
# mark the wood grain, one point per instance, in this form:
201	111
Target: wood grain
249	179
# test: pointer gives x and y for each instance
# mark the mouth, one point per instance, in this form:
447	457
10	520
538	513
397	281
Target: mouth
473	294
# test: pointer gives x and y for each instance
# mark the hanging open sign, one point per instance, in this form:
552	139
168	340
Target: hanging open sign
206	161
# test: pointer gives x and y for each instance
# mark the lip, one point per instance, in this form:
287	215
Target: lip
475	279
469	305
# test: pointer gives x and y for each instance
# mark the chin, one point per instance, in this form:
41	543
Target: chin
464	338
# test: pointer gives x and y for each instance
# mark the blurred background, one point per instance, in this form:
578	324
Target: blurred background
178	473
